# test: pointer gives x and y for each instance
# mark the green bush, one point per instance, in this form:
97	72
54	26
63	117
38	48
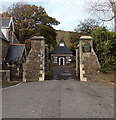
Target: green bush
104	46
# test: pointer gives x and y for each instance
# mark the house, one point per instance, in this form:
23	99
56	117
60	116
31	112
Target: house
13	54
61	55
7	27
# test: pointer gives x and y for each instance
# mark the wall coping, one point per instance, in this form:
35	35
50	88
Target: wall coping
38	38
86	38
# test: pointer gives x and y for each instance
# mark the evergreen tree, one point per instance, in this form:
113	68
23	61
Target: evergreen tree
30	20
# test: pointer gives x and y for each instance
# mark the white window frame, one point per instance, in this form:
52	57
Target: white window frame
55	60
67	59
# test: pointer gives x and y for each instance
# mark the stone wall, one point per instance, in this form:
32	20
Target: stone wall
4	45
35	64
16	73
4	75
4	72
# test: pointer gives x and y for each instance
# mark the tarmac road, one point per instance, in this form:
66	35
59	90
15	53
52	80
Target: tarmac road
59	99
63	73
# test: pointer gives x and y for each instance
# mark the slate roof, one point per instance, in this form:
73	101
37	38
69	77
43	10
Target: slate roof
61	49
5	21
62	41
2	36
15	52
15	40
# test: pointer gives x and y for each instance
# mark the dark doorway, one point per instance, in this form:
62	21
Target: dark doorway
61	61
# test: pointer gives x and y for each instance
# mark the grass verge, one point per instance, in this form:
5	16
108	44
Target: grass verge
9	83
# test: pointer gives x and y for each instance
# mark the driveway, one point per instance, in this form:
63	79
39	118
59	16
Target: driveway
59	99
63	73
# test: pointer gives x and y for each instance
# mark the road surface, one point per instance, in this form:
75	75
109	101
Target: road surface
59	99
63	73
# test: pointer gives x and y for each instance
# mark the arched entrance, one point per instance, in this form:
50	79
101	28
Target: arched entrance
61	61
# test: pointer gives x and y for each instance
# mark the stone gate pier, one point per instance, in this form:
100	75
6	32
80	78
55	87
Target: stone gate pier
35	64
87	64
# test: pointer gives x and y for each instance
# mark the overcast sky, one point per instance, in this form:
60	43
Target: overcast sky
68	12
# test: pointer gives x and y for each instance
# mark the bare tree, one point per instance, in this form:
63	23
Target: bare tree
113	5
106	11
87	26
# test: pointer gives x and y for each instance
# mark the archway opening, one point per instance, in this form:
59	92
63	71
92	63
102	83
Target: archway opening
61	61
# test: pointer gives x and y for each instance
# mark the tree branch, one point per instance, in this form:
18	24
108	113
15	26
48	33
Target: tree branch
108	19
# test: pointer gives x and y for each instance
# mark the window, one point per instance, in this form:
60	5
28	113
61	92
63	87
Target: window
54	59
68	60
61	44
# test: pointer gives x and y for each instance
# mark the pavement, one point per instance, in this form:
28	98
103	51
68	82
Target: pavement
59	99
63	72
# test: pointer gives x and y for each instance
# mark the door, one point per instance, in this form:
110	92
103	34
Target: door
61	61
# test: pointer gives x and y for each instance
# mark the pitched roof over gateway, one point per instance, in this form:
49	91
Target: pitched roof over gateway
61	48
15	52
15	40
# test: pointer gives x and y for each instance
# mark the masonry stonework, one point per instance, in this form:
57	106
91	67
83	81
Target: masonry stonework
35	64
47	62
87	59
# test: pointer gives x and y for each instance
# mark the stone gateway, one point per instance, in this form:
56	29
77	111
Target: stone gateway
87	64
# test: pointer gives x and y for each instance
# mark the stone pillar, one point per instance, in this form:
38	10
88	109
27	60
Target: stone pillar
46	58
83	42
89	63
35	64
77	61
